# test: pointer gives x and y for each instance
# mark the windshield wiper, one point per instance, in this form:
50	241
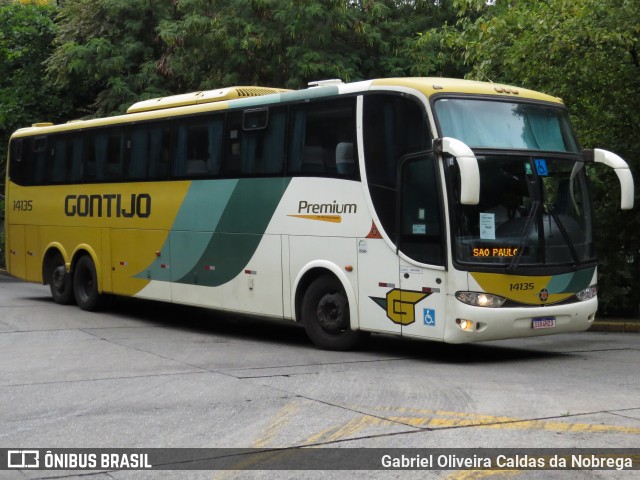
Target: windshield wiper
515	261
564	233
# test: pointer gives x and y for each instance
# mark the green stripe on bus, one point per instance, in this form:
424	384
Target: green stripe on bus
218	229
571	282
240	229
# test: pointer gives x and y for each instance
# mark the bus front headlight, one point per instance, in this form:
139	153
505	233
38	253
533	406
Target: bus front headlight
588	293
481	299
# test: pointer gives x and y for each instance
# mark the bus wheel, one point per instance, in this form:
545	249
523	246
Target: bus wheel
85	285
325	313
60	283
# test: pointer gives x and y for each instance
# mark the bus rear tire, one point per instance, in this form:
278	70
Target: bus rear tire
325	314
60	281
85	285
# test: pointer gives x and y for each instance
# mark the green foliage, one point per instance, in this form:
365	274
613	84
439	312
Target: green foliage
273	42
110	53
26	33
106	52
2	241
586	52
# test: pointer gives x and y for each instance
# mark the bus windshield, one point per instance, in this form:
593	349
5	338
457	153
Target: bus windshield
533	210
502	124
534	207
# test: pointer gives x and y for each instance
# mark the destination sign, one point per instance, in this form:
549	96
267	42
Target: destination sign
494	251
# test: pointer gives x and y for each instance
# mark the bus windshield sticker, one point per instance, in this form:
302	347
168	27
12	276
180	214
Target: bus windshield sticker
487	226
541	167
527	169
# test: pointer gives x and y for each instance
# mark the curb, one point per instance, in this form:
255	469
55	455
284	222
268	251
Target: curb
617	326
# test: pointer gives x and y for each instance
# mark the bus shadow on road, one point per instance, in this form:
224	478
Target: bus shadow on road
253	328
245	327
469	353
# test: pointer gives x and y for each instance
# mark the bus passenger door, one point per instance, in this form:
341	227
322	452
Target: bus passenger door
421	245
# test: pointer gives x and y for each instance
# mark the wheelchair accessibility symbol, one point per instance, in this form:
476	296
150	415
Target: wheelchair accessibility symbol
429	316
541	167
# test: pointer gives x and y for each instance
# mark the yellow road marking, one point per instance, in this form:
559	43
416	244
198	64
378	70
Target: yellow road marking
338	432
478	474
418	418
267	440
279	421
443	419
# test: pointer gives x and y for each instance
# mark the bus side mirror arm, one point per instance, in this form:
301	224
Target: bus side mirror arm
622	170
468	164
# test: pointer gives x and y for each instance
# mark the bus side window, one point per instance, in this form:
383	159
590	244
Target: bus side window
138	153
196	157
159	153
90	170
18	162
256	142
104	151
274	143
199	148
29	161
114	151
66	160
58	164
232	165
394	126
75	151
97	158
39	156
322	139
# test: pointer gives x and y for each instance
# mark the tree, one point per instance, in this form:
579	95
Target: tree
282	43
26	33
110	53
106	52
586	52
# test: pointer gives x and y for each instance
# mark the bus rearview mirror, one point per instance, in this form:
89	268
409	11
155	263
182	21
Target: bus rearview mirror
621	168
468	165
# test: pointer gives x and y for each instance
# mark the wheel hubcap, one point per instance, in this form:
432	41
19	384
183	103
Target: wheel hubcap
332	313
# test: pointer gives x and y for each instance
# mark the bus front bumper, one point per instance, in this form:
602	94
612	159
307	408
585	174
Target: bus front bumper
478	324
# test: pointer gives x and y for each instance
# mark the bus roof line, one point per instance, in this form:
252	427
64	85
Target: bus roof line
197	98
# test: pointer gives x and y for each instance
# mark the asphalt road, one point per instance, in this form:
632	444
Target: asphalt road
145	375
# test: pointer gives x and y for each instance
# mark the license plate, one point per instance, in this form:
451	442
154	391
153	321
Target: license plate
543	322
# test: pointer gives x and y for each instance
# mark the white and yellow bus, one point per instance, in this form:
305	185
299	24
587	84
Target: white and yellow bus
431	208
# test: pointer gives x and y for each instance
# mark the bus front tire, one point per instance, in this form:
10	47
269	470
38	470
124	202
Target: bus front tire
60	283
85	285
325	314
